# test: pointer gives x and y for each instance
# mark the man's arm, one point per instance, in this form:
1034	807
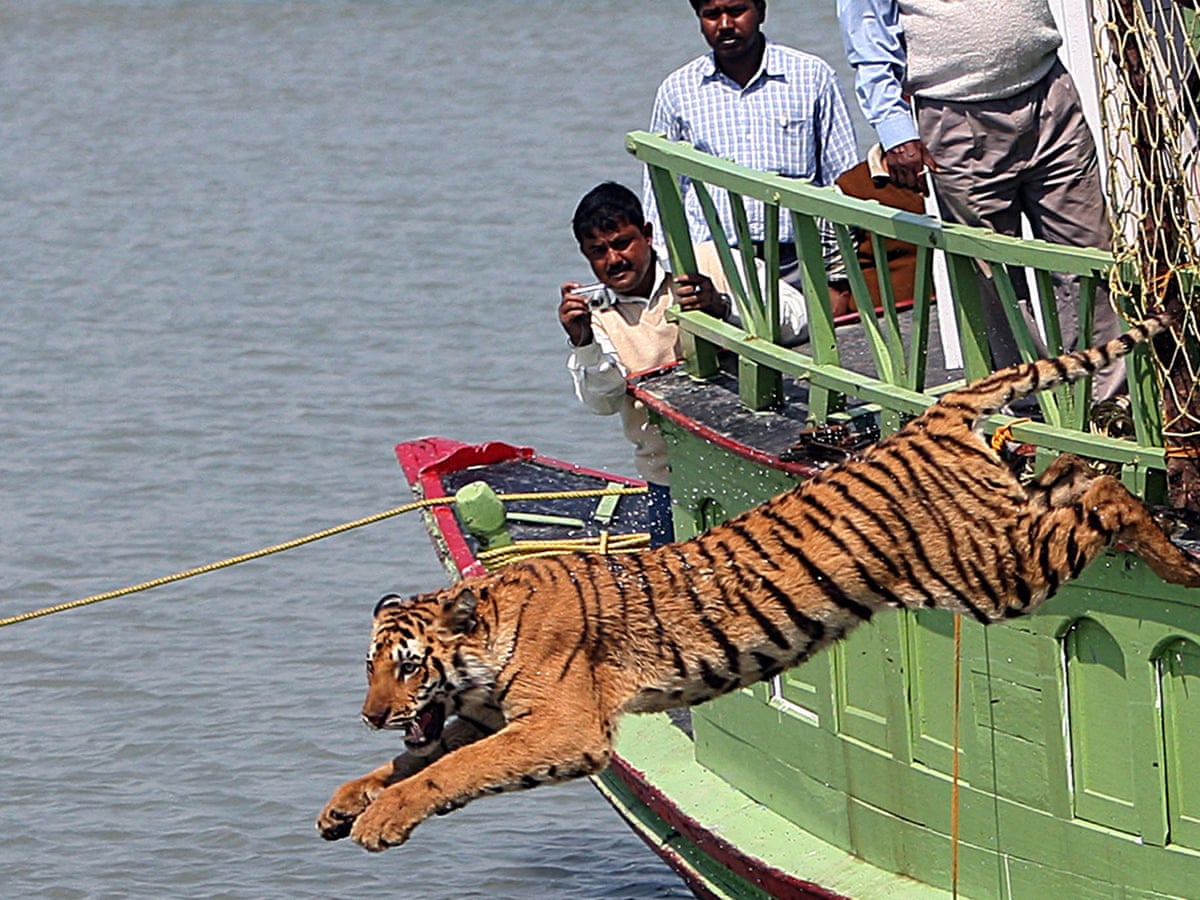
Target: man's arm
599	378
660	123
665	120
835	138
839	153
595	369
793	314
873	39
872	36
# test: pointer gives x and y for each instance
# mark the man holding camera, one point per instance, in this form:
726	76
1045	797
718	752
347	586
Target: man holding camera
618	326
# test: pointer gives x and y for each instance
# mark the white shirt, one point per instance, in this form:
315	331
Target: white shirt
638	326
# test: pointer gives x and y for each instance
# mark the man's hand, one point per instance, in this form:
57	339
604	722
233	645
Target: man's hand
840	298
575	316
907	164
698	292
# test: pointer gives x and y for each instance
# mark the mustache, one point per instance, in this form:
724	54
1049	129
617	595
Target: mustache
618	268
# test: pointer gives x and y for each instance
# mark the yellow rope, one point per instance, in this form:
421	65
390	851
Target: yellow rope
498	557
297	542
1003	434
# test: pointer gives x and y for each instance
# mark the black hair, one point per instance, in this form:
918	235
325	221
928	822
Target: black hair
696	4
605	208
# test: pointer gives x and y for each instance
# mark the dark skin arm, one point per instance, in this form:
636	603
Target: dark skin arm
907	164
691	292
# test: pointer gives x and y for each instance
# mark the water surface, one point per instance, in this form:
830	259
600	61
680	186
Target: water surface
246	248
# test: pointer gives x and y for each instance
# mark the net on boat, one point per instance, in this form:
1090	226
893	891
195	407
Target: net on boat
1149	87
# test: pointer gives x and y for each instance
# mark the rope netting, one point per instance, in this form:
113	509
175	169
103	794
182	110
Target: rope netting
1149	84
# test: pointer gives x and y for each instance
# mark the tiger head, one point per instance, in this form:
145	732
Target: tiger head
414	669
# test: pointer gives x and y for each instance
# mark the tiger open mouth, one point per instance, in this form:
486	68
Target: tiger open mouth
426	728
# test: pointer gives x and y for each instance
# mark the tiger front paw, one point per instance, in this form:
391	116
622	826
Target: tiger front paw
344	807
384	824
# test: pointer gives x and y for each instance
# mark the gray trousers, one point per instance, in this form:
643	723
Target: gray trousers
1033	155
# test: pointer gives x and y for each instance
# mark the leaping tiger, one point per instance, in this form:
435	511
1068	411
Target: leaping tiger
518	678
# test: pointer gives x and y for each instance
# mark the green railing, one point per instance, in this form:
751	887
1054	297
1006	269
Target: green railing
895	386
1064	772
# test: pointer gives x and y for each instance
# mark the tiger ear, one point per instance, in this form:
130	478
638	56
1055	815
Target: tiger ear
460	611
387	600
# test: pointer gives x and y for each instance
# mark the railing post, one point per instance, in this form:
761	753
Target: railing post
700	356
895	389
760	387
968	310
822	338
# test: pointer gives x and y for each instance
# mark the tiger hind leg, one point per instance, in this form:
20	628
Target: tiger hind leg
1089	513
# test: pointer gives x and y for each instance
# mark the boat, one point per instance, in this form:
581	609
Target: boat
509	503
1059	762
924	755
506	502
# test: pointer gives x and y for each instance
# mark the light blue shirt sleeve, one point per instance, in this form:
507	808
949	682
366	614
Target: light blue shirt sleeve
838	146
669	118
874	45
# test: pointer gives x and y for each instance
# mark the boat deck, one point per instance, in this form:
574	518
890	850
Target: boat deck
712	409
723	843
562	519
712	406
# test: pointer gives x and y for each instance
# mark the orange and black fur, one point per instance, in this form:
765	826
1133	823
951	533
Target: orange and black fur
518	679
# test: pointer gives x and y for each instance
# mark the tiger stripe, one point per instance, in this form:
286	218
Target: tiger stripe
517	679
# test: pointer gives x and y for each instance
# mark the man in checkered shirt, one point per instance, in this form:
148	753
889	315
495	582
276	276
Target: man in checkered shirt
765	106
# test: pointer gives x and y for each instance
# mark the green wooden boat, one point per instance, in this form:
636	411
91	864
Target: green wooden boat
916	758
924	756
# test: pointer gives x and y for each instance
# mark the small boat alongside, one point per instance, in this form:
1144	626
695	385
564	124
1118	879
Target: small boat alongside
510	502
718	840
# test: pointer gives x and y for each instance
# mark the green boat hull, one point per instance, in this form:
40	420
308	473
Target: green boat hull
1075	775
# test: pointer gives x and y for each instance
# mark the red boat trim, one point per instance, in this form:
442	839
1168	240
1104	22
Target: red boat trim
425	460
753	454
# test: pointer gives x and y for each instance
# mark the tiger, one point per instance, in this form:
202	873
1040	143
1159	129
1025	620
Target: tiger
518	678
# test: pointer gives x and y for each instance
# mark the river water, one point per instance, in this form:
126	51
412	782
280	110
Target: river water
246	248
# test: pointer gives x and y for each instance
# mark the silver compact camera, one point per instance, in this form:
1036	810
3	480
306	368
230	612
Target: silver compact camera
598	295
